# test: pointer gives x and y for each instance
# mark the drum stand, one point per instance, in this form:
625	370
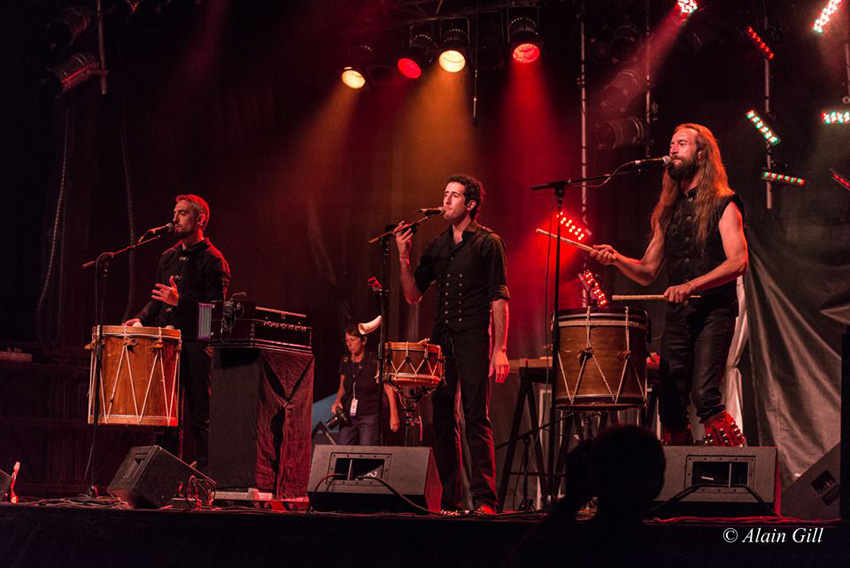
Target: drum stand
412	418
101	266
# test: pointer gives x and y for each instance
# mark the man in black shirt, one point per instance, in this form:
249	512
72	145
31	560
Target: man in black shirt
190	272
697	229
468	263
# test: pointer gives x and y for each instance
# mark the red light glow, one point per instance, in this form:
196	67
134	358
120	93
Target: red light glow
409	68
526	53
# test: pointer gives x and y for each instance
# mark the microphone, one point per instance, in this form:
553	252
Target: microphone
156	231
428	211
663	160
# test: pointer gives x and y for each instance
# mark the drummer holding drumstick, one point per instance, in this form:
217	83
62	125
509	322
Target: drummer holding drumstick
190	272
467	262
697	231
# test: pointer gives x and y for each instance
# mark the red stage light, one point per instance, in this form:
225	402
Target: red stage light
766	52
526	53
574	230
409	68
839	179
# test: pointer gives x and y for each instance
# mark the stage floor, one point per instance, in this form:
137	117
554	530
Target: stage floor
69	534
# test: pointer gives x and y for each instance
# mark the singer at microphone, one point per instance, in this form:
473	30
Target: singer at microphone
190	272
698	237
466	265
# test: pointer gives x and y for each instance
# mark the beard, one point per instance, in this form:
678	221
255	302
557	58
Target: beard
681	168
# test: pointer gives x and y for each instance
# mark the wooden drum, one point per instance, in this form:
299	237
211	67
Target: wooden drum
139	383
602	359
414	364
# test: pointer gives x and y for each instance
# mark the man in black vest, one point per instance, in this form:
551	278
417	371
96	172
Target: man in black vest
468	263
697	230
190	272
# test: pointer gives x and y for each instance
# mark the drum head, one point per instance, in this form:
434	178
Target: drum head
131	331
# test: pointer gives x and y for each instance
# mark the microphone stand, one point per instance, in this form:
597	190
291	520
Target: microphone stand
382	290
559	187
101	265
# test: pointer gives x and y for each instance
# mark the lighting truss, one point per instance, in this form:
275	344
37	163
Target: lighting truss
763	128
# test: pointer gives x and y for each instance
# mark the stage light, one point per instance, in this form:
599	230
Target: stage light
454	42
836	116
418	54
573	231
617	95
839	179
630	131
624	42
782	178
524	36
361	57
688	7
765	50
73	22
526	53
825	16
763	128
76	70
591	284
353	79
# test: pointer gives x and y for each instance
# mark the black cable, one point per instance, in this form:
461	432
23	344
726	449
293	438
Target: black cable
131	214
39	312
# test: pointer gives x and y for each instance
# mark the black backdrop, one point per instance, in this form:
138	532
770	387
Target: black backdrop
240	102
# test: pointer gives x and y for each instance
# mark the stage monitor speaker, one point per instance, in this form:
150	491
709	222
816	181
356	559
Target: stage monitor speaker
816	494
729	477
149	477
346	478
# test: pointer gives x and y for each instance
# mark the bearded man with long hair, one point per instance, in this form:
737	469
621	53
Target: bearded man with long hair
698	232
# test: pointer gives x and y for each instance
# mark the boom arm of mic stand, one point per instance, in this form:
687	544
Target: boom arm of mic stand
392	232
110	254
570	182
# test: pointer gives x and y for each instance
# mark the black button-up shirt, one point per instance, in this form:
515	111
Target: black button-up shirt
469	275
686	259
200	273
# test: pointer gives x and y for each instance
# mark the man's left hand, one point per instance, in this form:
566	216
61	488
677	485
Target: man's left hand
678	294
166	293
499	366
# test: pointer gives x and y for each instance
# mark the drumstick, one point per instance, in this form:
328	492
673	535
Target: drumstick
565	239
625	297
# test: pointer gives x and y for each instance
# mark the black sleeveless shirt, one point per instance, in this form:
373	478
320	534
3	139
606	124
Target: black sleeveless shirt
686	259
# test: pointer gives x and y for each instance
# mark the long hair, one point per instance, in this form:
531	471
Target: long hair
712	188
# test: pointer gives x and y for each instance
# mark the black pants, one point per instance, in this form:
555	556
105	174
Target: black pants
363	431
195	369
467	365
694	349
